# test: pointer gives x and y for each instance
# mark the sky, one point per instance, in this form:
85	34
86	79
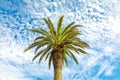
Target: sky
101	21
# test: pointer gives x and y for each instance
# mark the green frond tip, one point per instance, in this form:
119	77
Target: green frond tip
45	52
72	56
32	46
50	61
51	25
65	60
39	37
47	56
60	23
35	30
37	55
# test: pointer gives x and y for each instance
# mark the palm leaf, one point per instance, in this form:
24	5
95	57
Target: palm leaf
70	29
65	59
32	45
69	35
52	30
37	54
59	23
41	31
50	61
39	37
51	27
71	47
66	51
45	52
68	26
74	58
41	45
82	51
67	42
35	30
48	24
81	44
47	56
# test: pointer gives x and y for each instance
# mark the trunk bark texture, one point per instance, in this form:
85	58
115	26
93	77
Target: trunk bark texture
57	63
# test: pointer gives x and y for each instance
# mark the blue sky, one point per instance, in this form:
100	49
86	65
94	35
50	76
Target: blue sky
101	30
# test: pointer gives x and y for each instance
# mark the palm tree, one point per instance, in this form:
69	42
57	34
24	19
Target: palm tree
56	44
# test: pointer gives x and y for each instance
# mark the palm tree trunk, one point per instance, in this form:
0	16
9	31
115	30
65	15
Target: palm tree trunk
57	63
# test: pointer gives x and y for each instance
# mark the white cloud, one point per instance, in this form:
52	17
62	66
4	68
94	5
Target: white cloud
108	49
9	72
109	71
115	24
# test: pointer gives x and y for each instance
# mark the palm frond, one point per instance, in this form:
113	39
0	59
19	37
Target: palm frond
32	46
71	47
66	52
76	49
74	58
39	37
41	45
50	61
69	35
45	52
48	24
65	60
59	24
47	56
82	51
41	31
35	30
51	27
81	44
67	42
37	54
68	26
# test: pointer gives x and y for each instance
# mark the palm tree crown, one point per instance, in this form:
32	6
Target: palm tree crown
64	39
